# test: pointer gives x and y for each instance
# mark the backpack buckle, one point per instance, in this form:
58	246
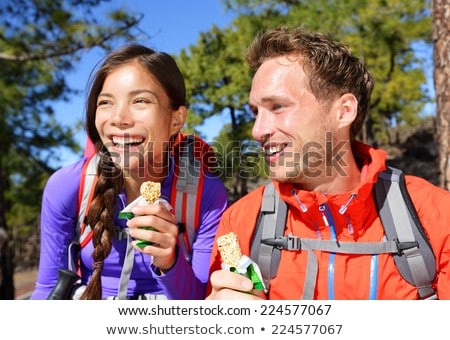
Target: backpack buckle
402	246
290	242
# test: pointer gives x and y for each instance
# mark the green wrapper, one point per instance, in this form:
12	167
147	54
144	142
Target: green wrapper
143	243
127	214
250	269
254	275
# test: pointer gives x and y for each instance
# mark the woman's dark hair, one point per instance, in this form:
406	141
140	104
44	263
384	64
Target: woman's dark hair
101	212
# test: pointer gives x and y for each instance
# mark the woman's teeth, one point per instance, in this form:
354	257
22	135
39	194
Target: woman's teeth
127	141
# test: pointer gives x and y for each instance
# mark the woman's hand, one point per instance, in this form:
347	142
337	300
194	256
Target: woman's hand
164	236
227	285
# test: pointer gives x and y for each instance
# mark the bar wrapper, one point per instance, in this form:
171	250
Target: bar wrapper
126	212
150	194
250	269
234	261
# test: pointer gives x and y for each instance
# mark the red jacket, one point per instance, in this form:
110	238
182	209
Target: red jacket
353	274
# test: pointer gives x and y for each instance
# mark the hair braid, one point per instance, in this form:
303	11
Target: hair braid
100	218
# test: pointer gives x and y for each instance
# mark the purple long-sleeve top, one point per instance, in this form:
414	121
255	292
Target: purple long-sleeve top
58	222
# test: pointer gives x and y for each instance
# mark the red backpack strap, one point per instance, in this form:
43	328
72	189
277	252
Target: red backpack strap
200	149
189	152
88	180
89	148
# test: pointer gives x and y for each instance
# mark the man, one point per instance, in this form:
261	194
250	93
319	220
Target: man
310	97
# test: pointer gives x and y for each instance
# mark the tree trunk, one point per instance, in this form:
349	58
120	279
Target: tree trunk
6	253
441	58
6	268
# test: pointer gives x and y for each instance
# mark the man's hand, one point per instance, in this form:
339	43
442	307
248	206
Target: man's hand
227	285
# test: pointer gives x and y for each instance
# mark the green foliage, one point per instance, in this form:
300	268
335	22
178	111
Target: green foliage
240	160
214	73
381	32
39	42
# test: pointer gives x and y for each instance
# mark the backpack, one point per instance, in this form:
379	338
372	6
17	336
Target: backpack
405	237
192	157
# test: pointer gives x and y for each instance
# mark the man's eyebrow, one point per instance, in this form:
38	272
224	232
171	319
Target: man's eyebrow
267	99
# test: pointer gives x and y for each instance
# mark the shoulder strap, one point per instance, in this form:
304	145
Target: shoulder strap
400	221
88	179
270	225
186	198
406	239
187	191
83	231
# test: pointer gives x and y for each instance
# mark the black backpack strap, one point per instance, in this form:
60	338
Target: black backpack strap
416	264
271	224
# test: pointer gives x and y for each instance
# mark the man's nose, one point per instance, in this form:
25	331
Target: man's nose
263	126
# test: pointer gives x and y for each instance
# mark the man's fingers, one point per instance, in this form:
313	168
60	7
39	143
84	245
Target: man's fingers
225	279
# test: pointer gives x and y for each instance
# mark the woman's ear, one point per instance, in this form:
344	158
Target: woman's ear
178	119
347	109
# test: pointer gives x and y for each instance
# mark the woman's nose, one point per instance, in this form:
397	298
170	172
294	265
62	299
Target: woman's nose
122	116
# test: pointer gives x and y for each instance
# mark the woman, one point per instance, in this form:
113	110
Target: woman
136	107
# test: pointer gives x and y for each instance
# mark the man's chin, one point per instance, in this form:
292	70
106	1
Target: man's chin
284	175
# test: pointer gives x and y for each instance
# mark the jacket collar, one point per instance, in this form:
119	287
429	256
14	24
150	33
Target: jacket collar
371	162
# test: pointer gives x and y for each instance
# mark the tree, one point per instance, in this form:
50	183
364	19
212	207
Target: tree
381	32
39	42
217	81
441	58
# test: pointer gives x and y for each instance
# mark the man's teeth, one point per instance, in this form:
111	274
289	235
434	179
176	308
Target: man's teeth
273	150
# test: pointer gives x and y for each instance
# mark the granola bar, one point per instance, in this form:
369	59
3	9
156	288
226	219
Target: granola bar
229	249
151	191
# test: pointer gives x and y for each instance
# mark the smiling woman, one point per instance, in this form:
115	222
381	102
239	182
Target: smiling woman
135	110
192	16
135	120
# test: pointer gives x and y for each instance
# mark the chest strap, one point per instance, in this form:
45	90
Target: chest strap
294	243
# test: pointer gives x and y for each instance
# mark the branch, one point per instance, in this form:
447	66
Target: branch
75	48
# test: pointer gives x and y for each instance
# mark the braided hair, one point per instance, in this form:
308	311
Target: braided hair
110	177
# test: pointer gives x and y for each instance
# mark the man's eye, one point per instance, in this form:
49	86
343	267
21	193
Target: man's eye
276	107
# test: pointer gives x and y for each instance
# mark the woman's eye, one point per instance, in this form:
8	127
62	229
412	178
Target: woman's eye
141	101
102	102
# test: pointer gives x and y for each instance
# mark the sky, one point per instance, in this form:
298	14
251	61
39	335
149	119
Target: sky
172	25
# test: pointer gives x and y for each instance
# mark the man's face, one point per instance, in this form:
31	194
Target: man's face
291	125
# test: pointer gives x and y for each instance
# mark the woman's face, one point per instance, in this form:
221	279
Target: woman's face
135	121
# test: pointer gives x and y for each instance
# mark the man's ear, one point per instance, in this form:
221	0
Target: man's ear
178	119
346	109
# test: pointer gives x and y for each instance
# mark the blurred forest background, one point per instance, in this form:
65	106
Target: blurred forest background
405	44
